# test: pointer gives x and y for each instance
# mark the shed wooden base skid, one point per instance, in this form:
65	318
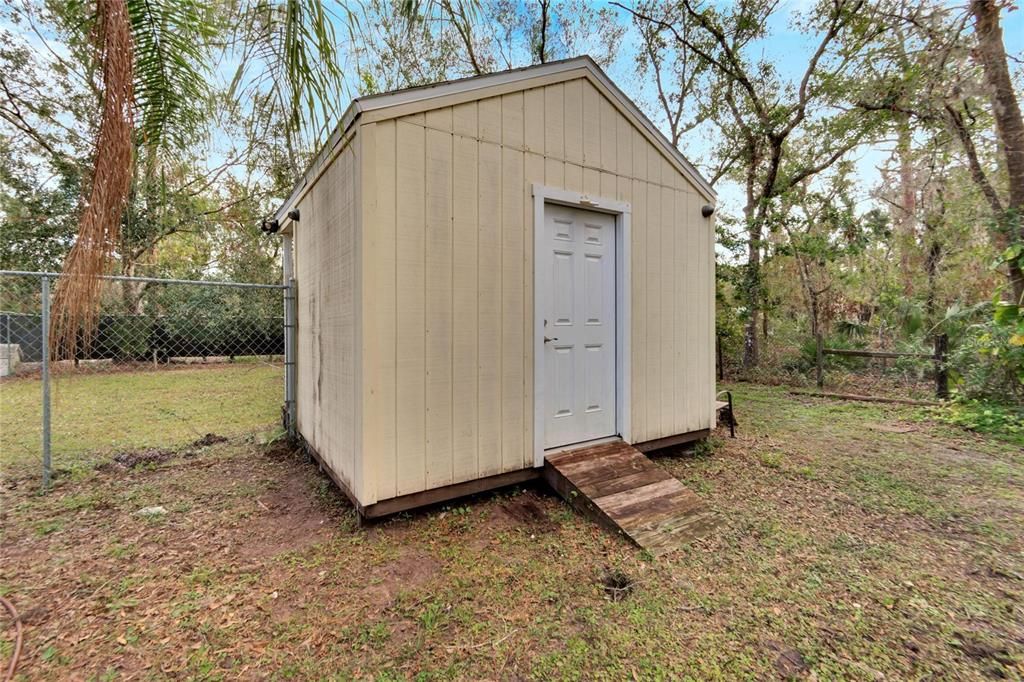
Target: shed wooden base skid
448	492
396	505
618	486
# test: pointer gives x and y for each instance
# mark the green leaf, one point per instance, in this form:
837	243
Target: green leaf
1013	252
172	43
1006	313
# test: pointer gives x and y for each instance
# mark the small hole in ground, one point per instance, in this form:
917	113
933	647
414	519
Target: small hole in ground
617	584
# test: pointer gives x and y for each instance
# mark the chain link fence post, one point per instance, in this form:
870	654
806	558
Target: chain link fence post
45	346
290	326
174	362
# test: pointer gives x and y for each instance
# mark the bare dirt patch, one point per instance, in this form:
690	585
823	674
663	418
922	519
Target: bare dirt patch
289	518
208	440
410	571
527	511
130	460
152	456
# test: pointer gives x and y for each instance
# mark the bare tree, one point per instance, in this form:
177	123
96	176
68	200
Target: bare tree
941	87
763	114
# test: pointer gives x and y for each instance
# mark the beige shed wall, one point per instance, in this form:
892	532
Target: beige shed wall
326	275
448	280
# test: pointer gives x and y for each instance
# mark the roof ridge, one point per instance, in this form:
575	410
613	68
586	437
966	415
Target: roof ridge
423	93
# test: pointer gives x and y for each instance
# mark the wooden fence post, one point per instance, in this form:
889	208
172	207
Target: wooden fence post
941	373
820	354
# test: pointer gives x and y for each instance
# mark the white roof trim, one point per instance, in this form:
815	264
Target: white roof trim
468	85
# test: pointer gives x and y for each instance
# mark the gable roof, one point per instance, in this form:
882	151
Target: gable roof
422	98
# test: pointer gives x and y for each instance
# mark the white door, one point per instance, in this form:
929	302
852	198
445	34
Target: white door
576	273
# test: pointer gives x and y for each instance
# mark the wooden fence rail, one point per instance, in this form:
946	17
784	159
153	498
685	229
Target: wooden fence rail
938	356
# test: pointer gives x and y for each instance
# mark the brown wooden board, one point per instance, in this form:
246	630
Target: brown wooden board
448	492
671	441
621	488
866	398
402	503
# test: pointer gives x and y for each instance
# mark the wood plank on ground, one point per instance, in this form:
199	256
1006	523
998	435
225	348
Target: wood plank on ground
621	488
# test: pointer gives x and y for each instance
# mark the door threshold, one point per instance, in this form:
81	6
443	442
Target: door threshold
582	444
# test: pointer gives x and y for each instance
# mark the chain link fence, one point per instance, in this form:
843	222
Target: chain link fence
171	363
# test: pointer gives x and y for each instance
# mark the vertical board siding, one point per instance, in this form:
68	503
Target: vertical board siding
512	120
573	121
325	276
449	273
708	278
533	172
533	120
591	125
513	243
489	309
379	318
464	309
554	121
638	307
438	308
410	345
574	177
682	316
489	123
607	120
654	372
668	373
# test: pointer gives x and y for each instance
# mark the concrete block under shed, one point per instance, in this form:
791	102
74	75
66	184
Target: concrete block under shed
10	358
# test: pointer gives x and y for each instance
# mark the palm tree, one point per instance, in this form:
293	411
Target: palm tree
155	59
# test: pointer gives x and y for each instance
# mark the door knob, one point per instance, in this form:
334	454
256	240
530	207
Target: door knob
547	340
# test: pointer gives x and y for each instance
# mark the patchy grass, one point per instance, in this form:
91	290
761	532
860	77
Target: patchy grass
855	543
99	413
1001	421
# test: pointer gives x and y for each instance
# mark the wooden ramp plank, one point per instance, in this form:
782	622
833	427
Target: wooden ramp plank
621	488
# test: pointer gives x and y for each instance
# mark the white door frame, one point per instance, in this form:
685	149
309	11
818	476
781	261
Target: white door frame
621	210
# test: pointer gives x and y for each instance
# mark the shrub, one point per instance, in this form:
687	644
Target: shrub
987	365
981	416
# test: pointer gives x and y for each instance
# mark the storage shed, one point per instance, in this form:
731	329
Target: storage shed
491	270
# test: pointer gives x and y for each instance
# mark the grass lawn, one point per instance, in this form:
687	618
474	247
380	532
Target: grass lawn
858	542
93	415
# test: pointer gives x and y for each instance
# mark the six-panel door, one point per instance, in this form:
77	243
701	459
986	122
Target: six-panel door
578	325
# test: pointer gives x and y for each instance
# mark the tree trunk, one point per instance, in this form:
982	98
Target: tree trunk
131	292
991	53
542	47
753	274
751	345
908	203
940	340
764	324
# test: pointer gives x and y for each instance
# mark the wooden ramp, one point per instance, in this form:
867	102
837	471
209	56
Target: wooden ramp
620	487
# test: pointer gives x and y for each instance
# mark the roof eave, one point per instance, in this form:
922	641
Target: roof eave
319	162
470	84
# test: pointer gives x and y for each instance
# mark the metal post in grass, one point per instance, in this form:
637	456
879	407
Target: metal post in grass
290	309
290	373
46	379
